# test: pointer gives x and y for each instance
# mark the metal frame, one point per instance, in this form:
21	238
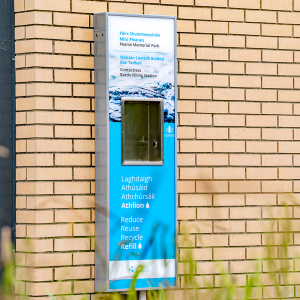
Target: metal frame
104	31
143	163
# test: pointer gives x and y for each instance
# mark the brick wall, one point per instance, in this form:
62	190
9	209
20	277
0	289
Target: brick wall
239	136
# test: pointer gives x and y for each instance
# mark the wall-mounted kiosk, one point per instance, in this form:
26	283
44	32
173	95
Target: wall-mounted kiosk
136	198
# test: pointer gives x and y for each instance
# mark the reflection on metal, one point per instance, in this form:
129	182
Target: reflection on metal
142	131
143	295
7	115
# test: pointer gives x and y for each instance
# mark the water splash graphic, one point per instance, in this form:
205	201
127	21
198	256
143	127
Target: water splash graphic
161	87
165	91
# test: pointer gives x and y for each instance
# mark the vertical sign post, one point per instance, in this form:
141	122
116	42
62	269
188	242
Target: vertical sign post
136	197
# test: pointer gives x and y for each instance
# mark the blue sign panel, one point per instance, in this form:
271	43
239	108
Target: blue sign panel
141	163
142	217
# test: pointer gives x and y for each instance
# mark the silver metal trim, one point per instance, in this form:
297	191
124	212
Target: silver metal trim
142	163
141	16
175	149
108	147
101	199
147	162
141	99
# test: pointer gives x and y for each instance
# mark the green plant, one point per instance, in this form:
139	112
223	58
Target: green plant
272	273
8	279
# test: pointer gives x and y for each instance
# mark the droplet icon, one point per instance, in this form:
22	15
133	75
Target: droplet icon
147	205
140	246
